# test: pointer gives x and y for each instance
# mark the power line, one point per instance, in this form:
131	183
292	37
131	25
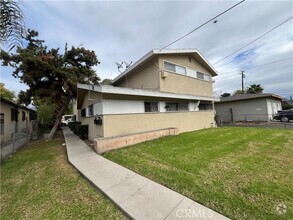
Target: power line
254	40
252	67
203	24
234	76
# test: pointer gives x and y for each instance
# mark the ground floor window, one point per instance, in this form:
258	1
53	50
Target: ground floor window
14	114
91	110
83	112
151	107
204	106
174	106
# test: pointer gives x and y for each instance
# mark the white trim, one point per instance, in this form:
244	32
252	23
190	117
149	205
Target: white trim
141	92
166	51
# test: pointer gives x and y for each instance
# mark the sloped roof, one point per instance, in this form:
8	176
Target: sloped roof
104	89
15	105
249	96
156	52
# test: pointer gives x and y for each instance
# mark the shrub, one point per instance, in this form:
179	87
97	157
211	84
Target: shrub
70	124
82	131
74	127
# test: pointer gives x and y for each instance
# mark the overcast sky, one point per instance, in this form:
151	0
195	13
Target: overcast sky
127	30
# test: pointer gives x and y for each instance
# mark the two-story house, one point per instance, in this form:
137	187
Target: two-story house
163	89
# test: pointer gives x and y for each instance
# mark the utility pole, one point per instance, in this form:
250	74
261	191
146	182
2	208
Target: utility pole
242	79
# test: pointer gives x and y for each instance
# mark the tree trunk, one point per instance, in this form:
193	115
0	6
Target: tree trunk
58	118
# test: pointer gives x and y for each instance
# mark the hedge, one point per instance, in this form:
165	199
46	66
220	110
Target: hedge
74	127
82	131
70	124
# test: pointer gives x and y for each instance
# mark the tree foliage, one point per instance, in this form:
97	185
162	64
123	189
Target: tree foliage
238	92
225	95
45	110
12	27
6	93
254	89
50	74
106	81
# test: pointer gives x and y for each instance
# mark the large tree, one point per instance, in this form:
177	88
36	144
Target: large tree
12	27
254	89
50	74
6	93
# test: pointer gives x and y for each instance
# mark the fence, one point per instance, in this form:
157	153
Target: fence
9	146
255	120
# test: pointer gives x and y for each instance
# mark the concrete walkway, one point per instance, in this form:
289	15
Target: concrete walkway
139	197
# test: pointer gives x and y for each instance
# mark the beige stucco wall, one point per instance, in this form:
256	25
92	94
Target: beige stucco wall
91	97
9	126
144	77
95	131
182	84
115	125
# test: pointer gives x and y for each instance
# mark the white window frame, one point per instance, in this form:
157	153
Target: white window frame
188	72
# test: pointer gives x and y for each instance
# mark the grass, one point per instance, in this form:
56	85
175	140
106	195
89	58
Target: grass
38	183
243	173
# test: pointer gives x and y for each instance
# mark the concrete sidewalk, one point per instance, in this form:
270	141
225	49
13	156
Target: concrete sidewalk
139	197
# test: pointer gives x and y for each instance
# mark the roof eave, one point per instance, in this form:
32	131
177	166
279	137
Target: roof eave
157	52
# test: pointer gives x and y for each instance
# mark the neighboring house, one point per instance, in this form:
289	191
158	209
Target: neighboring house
164	89
14	119
248	107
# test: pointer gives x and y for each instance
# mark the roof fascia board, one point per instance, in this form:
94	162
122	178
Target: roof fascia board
257	97
140	92
167	51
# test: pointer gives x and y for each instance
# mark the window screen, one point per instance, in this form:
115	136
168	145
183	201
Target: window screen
205	106
180	70
183	106
151	107
169	66
200	75
171	107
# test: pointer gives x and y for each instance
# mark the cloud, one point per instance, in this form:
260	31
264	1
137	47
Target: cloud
125	31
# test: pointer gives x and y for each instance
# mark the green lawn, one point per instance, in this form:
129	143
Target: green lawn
38	183
243	173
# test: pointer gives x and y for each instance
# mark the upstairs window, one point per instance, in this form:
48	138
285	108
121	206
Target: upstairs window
151	107
186	71
169	66
174	68
200	75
